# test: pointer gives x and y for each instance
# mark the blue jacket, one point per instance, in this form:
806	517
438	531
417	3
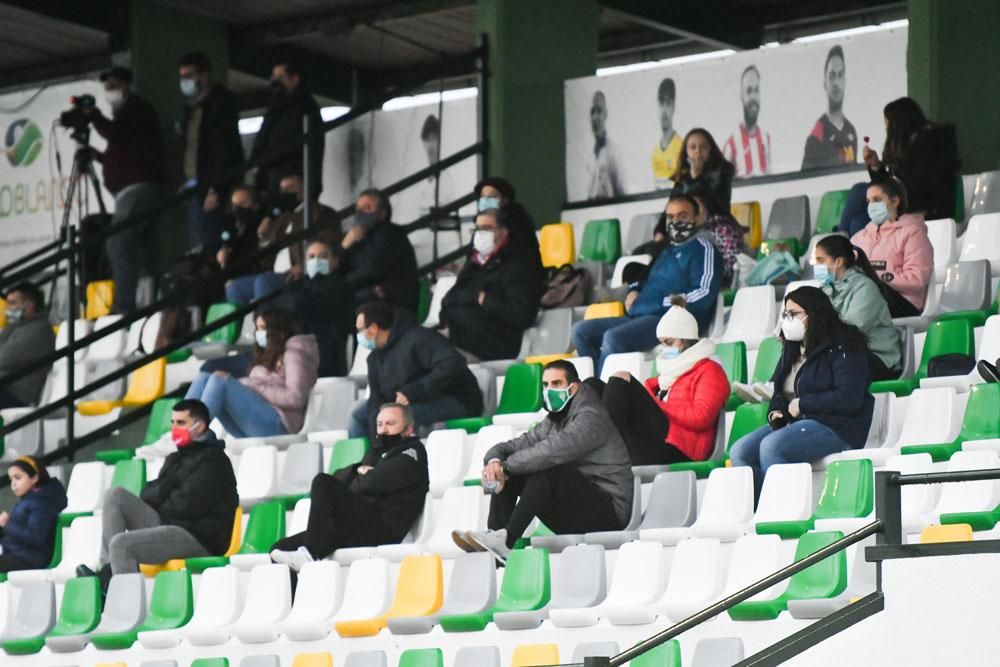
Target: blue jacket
692	269
30	534
832	388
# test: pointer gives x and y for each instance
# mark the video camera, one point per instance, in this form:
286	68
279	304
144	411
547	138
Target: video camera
76	117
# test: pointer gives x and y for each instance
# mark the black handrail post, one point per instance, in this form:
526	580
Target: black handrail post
888	507
70	332
597	661
482	80
307	176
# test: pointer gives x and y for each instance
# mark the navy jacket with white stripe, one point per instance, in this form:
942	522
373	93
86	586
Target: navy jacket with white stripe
692	269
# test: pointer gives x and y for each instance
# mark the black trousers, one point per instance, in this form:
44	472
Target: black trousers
562	497
338	518
9	400
899	305
10	562
641	423
879	371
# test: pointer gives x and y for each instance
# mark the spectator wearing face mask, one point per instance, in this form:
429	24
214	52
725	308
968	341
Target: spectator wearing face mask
379	262
238	238
272	398
413	366
571	471
209	131
497	294
691	268
27	338
898	247
323	307
496	192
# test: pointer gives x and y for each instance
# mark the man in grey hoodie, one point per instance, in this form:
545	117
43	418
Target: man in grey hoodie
26	339
572	470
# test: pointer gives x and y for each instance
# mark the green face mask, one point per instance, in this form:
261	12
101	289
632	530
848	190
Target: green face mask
555	399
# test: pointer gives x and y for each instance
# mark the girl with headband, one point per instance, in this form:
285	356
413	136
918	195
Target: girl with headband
29	530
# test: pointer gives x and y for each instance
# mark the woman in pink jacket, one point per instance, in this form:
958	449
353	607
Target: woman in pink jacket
272	399
898	247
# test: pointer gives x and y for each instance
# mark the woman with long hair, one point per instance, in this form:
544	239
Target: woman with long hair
821	404
858	295
704	167
29	530
272	399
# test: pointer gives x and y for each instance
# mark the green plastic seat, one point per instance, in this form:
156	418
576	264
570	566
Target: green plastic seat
848	492
210	662
825	579
424	299
525	587
347	452
170	606
180	355
602	241
976	318
768	355
959	198
421	657
130	475
943	337
981	422
80	613
831	205
733	357
228	334
522	392
159	419
794	245
749	417
265	526
728	297
113	456
664	655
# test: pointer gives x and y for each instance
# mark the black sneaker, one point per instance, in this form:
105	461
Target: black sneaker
989	371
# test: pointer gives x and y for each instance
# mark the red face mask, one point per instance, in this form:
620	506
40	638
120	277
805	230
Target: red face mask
180	436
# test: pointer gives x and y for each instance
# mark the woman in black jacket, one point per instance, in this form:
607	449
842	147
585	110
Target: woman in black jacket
29	530
704	167
921	154
821	404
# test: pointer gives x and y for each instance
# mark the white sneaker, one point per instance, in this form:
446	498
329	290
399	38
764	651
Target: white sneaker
494	541
745	392
765	390
293	559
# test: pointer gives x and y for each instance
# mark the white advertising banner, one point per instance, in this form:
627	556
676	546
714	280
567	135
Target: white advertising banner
32	189
774	110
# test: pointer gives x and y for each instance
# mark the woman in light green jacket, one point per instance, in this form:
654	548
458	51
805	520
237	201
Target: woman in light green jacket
850	282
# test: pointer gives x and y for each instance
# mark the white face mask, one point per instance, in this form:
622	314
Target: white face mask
114	98
484	242
317	266
667	356
793	329
260	337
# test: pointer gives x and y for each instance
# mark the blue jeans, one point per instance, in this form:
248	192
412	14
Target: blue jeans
803	441
855	214
245	289
611	335
243	412
424	414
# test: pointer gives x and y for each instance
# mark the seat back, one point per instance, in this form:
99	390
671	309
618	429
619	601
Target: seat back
556	244
594	650
125	605
748	215
664	655
717	652
529	655
236	536
100	298
317	595
111	347
81	606
638	577
461	509
672	501
989	346
303	461
789	218
218	602
261	661
831	205
227	334
848	490
768	355
210	662
257	473
909	348
268	595
956	532
159	419
86	487
472	587
441	287
967	286
368	590
786	494
640	230
879	428
420	586
826	578
421	657
171	604
946	337
696	572
979	496
931	417
147	383
526	585
602	241
581	578
477	656
81	544
265	527
81	328
982	413
617	275
985	194
347	452
313	660
130	475
749	417
754	557
728	497
733	359
634	363
522	389
941	234
754	313
552	335
596	311
446	462
915	499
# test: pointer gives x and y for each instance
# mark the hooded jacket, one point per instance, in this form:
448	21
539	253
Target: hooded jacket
196	490
422	365
859	301
692	407
901	251
30	534
287	388
586	437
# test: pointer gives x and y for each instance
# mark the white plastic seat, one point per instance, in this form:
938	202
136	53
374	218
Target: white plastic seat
786	494
916	499
725	513
753	558
34	613
415	541
446	462
81	546
300	517
616	275
753	316
317	598
441	287
942	233
717	652
979	496
359	368
268	601
484	440
81	328
584	367
217	606
257	476
85	492
984	193
981	240
472	589
142	334
634	363
552	333
329	406
368	591
301	463
461	508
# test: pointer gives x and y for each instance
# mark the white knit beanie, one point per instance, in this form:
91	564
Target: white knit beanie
677	322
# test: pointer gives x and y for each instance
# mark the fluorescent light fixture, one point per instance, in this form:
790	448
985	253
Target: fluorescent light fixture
649	64
860	30
424	99
329	113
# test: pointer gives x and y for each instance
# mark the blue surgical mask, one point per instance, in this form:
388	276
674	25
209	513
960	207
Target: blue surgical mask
822	273
260	337
317	266
14	315
486	203
666	356
365	342
878	212
189	87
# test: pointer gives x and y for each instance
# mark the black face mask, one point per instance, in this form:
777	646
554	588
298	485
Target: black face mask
389	440
679	231
277	87
288	201
245	218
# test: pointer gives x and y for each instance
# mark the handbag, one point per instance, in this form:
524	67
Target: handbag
568	287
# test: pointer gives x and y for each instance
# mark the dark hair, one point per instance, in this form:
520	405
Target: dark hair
383	201
893	187
32	467
431	126
716	160
406	410
196	59
709	201
292	67
904	118
195	408
747	70
280	326
379	313
502	185
566	367
684	197
840	247
667	92
825	325
30	292
123	74
333	247
836	51
249	189
498	214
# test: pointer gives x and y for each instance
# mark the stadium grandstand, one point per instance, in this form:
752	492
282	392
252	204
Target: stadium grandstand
476	333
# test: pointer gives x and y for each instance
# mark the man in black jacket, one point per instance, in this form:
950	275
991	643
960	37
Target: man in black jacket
412	366
497	295
210	134
187	511
282	129
379	262
27	338
322	306
373	502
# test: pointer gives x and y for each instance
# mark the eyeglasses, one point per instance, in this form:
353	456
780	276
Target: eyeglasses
794	315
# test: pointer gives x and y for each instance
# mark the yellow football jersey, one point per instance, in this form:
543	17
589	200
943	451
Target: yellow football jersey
665	162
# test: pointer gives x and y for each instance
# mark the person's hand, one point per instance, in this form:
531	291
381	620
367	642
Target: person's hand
793	408
221	374
493	472
211	201
294	273
364	470
774	416
481	298
222	256
870	157
353	235
4	518
402	399
624	375
265	227
630	299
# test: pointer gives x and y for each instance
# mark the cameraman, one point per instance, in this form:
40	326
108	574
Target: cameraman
134	174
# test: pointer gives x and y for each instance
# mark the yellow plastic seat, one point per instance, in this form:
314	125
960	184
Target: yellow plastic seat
596	311
419	592
235	539
146	384
3	313
532	655
955	532
747	213
557	245
100	298
546	358
313	660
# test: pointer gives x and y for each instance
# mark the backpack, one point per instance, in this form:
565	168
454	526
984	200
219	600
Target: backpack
568	287
950	364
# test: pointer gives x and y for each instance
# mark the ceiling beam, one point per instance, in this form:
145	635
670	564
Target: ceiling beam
107	16
719	24
52	72
325	76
